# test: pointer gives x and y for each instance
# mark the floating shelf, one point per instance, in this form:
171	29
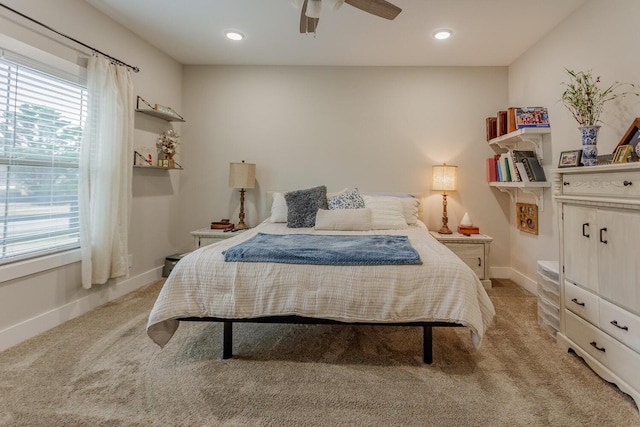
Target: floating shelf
156	167
157	113
511	140
534	188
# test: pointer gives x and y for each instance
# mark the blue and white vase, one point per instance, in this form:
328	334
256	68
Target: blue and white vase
589	145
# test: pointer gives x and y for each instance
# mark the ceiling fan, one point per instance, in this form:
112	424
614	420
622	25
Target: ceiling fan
310	15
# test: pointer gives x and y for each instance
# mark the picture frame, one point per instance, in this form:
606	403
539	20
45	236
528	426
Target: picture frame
632	136
569	159
532	117
527	217
622	154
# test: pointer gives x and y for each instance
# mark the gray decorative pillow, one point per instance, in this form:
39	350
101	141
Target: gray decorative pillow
347	199
302	206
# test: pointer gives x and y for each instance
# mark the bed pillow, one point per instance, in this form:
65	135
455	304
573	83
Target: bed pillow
349	198
344	219
387	213
410	204
278	208
302	206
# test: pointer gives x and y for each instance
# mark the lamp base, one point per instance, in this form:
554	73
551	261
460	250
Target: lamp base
241	226
445	230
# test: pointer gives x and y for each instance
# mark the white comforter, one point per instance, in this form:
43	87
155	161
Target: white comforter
442	289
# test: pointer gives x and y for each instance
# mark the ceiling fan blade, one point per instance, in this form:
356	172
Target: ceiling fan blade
380	8
307	25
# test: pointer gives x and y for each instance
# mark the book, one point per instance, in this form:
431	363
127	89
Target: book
501	123
532	117
491	128
534	169
523	172
491	170
511	119
515	175
468	229
521	154
504	167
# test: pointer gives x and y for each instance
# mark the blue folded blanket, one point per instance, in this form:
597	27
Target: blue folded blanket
325	250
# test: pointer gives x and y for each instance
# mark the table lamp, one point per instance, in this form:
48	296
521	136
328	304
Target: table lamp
242	176
445	178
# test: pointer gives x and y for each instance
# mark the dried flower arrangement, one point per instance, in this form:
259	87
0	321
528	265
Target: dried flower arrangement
585	100
168	143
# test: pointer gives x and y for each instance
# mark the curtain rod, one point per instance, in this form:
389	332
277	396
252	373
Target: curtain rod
116	60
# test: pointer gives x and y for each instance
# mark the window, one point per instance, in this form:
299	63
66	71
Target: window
41	120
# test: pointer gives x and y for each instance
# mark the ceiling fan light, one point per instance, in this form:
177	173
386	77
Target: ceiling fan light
234	35
313	8
442	34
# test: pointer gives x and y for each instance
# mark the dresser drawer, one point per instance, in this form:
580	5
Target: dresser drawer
620	324
619	359
581	302
620	184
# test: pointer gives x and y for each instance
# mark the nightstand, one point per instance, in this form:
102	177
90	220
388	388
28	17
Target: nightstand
207	236
472	249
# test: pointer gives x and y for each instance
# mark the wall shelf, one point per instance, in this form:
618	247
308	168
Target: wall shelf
534	188
157	167
155	112
526	138
511	140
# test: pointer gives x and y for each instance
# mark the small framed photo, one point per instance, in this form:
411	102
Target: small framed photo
622	154
570	159
632	137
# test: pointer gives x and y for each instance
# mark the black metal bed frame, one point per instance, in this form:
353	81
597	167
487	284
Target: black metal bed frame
227	339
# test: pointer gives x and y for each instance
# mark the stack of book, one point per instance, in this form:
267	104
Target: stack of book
222	225
515	166
468	229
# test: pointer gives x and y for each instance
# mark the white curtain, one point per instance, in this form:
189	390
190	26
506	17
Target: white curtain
105	172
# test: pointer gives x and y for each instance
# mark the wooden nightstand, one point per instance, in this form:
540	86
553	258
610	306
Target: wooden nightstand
473	250
207	236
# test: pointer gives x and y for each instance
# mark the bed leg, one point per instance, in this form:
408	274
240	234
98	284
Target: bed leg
227	340
427	344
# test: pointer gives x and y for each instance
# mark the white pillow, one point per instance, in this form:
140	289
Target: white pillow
410	209
278	208
387	213
343	219
410	204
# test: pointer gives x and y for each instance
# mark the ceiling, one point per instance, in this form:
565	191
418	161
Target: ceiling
486	32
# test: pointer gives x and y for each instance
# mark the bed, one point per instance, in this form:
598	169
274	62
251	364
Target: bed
439	291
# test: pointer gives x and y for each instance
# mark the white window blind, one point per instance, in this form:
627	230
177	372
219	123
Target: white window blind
41	121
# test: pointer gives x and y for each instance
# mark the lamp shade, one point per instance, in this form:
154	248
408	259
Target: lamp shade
445	178
242	175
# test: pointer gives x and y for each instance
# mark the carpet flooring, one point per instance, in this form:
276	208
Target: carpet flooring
101	369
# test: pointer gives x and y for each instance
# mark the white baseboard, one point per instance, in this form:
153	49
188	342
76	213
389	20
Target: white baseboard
29	328
520	279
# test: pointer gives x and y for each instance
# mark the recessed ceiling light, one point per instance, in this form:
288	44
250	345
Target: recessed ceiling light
442	34
234	35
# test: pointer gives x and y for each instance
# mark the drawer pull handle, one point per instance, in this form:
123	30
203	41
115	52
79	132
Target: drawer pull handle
627	183
615	323
575	301
601	238
566	183
584	228
479	262
595	345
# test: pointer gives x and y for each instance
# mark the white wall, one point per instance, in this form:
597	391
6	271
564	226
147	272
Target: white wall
602	36
38	301
375	128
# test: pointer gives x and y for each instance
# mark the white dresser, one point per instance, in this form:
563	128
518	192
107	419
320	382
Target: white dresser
599	225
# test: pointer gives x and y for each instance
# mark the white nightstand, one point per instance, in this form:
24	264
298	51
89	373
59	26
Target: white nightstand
207	236
472	249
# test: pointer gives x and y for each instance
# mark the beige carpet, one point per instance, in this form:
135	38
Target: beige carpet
102	370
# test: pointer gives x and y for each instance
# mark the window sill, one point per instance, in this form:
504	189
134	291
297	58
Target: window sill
32	266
